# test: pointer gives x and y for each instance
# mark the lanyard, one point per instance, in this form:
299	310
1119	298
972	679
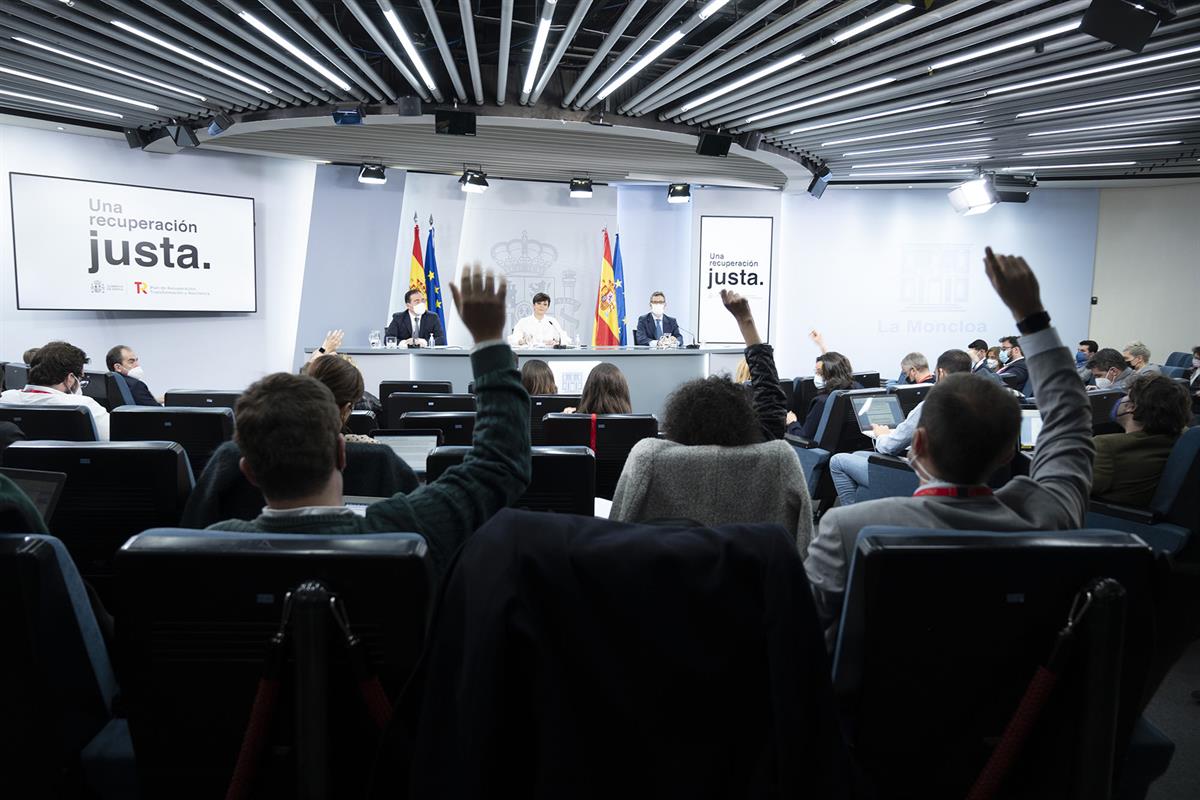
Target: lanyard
953	491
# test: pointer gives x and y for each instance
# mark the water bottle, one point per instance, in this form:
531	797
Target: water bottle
432	341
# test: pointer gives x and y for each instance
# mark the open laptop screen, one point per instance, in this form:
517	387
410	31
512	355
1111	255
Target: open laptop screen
1031	426
42	487
412	446
877	410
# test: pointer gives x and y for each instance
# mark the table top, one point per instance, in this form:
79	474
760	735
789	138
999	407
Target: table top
541	352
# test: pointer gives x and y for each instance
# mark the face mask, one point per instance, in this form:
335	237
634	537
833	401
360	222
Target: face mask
1080	358
1103	383
419	309
1196	363
657	309
925	475
78	387
1003	356
136	372
819	381
992	363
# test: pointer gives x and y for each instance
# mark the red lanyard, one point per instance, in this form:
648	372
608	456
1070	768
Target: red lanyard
953	491
36	391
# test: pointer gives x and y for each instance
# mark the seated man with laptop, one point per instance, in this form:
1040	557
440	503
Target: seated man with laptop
850	470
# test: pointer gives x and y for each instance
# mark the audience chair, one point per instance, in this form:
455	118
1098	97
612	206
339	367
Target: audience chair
566	639
788	385
109	389
397	404
457	427
611	437
386	388
564	478
804	390
202	398
1013	382
1176	372
362	422
471	387
911	395
222	491
113	491
199	430
60	737
195	615
59	423
1103	404
16	375
868	380
542	404
941	632
1178	359
837	432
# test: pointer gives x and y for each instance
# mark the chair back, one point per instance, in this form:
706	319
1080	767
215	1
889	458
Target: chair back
564	477
1013	380
202	398
910	396
1174	372
60	423
1103	403
196	611
1178	359
109	389
1177	499
611	437
16	375
457	427
941	632
542	404
199	430
397	404
426	387
838	430
868	380
362	422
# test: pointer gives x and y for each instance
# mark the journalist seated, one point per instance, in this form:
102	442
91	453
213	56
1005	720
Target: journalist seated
289	430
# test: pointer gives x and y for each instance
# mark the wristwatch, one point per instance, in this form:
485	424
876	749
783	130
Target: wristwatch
321	350
1034	323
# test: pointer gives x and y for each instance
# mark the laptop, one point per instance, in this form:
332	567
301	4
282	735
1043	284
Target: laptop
43	488
413	446
880	409
1031	426
358	503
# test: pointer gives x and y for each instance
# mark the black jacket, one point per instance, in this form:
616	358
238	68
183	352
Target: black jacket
401	327
140	391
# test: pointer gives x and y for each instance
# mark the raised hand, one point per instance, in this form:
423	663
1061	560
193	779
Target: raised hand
481	302
1016	284
333	340
739	307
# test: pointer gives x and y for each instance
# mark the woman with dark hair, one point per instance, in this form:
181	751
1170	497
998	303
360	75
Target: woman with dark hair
1128	465
346	383
833	373
604	392
537	378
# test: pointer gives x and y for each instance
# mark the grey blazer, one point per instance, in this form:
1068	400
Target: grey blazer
1053	497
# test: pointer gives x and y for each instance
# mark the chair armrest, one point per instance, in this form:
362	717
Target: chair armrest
891	462
799	441
1142	516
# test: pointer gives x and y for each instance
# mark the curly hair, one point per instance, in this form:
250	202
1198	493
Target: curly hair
605	391
1160	405
711	410
836	370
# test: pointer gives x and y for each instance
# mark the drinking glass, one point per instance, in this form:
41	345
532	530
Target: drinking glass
375	339
392	342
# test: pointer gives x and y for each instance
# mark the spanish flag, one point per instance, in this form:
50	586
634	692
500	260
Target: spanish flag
416	269
606	331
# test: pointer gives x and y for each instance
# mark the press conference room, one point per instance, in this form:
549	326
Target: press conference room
568	399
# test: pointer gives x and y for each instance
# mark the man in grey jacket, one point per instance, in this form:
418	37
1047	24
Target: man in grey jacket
968	429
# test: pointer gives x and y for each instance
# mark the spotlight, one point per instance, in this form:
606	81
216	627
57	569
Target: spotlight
473	181
974	197
220	123
822	175
1126	23
679	193
1013	188
581	188
372	173
349	115
183	136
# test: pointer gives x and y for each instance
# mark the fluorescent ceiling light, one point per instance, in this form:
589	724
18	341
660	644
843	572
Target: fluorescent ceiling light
1079	73
1135	123
102	65
409	47
713	7
163	43
865	117
1100	148
878	19
663	46
821	99
945	160
279	39
953	143
60	104
1069	166
894	134
1007	45
535	58
76	88
1112	101
912	173
740	82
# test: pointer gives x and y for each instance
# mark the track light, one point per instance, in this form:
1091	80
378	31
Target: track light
973	197
473	181
182	136
679	193
349	115
581	188
878	19
372	173
220	123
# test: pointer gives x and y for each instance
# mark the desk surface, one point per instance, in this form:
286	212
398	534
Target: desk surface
539	352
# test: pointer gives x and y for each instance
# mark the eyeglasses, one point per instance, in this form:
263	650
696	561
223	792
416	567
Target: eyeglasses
83	382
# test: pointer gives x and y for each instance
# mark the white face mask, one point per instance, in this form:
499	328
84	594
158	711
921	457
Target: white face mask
992	363
136	372
1103	383
419	309
657	309
819	381
1196	363
78	387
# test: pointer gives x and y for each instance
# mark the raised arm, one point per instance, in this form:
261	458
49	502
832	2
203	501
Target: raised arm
818	340
333	340
770	403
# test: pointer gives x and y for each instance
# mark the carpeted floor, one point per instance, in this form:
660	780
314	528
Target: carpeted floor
1178	716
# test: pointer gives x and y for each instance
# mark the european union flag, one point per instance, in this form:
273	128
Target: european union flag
433	286
619	285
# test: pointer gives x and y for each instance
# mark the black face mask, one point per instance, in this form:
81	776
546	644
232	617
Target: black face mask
1129	364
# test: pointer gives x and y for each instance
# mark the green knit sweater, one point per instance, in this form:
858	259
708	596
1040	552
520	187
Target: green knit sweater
493	475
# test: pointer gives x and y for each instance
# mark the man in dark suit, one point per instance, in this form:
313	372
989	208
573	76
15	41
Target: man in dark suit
125	362
415	317
654	326
1013	360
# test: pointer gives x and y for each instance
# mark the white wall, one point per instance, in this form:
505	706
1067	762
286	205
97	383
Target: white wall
656	248
884	272
1148	269
215	350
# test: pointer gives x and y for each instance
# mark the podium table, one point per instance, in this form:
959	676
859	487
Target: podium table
652	374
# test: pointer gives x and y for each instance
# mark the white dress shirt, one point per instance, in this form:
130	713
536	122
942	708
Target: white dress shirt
45	396
532	332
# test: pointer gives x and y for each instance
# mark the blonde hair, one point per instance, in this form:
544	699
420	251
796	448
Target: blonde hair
742	373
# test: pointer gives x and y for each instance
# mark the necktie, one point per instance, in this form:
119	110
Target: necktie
658	327
416	326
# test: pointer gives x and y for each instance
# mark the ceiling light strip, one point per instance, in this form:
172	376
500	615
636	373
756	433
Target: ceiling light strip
740	82
409	48
77	88
1079	73
1071	166
865	117
48	101
1112	101
286	44
1100	149
1045	33
862	87
874	21
952	143
663	46
1113	125
894	134
163	43
101	65
960	159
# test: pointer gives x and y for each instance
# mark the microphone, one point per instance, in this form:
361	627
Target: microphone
694	345
561	334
